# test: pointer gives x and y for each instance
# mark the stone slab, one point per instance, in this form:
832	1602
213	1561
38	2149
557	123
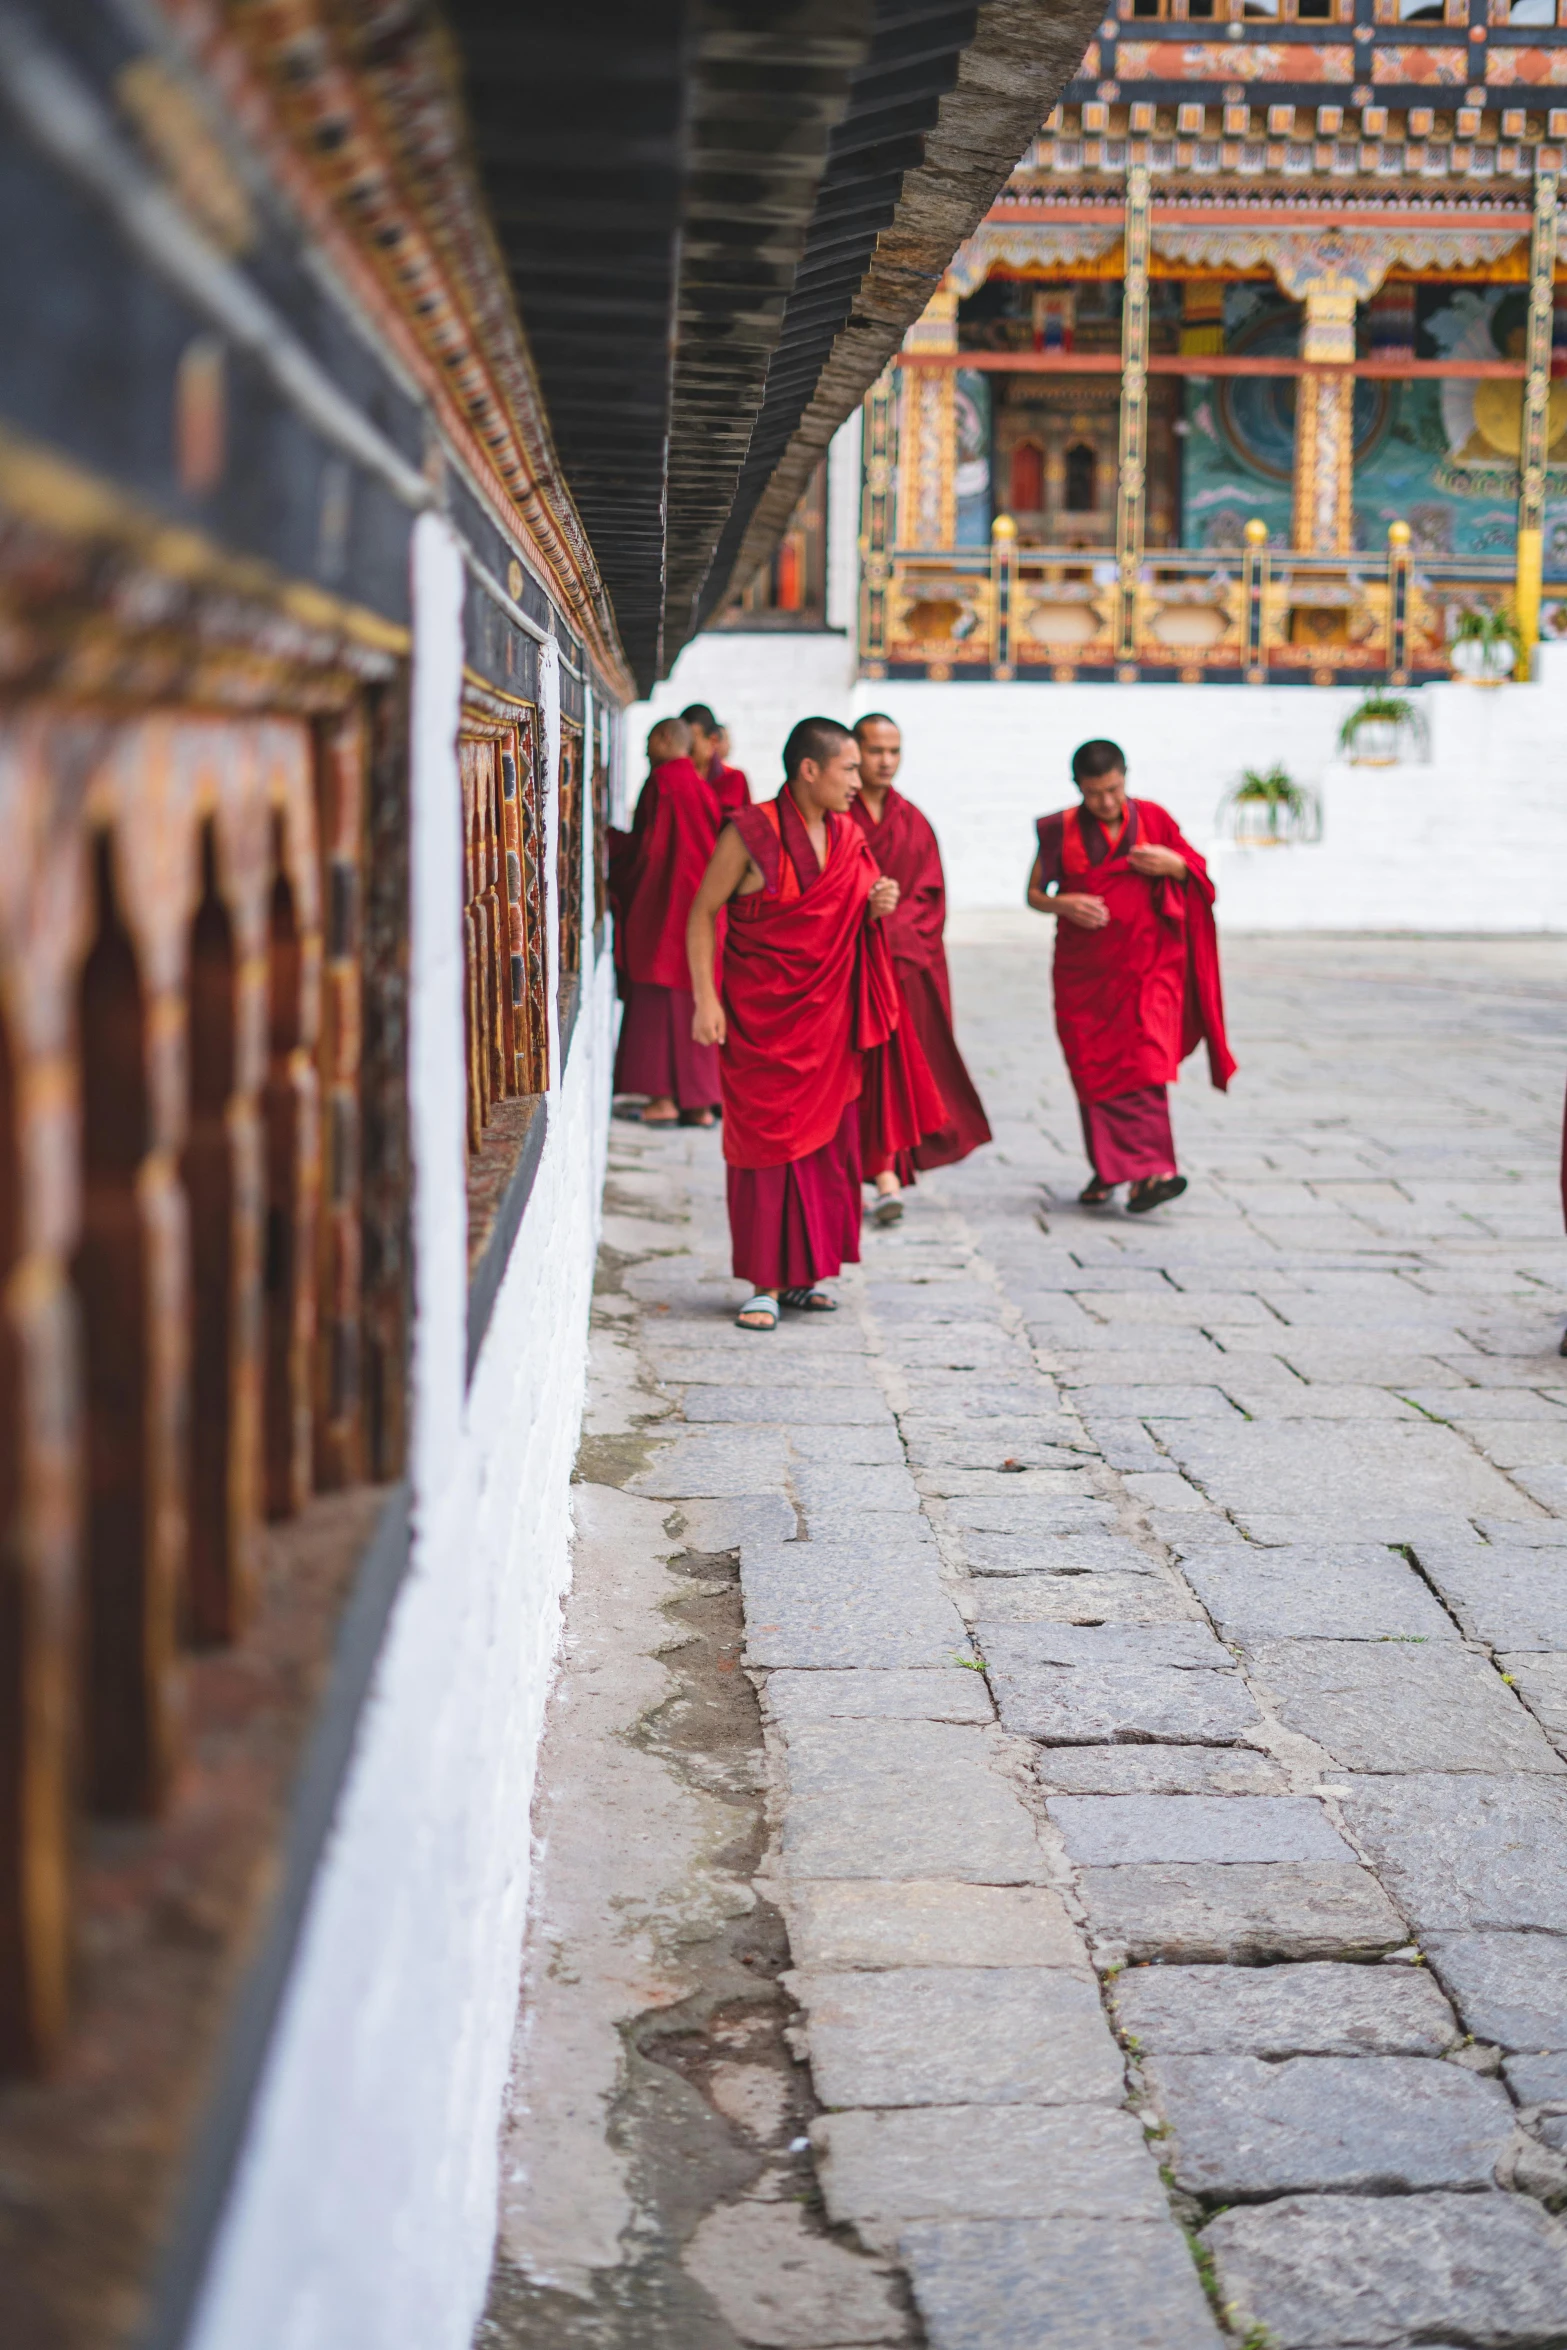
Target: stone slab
857	1448
959	2036
1053	1443
1030	1516
899	1799
1319	2271
1354	1591
936	1695
1379	1469
747	1365
1400	1706
1466	1851
1369	2125
1169	1402
825	1488
1111	1831
1083	1551
1057	2284
1246	1913
1088	1600
831	1609
1510	1989
816	1406
1157	1770
1538	2080
778	2284
1316	2009
1509	1596
760	1518
1083	1685
853	1923
880	2170
1541	1681
728	1462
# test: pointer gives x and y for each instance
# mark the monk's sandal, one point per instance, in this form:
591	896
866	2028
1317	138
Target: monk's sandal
760	1304
1154	1193
808	1301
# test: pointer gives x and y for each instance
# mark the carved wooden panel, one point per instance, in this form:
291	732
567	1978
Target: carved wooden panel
568	850
161	1363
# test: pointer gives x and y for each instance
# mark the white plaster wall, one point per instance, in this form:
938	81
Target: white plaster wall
1475	838
363	2216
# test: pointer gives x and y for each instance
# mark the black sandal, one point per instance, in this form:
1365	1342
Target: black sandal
1152	1192
1095	1194
808	1301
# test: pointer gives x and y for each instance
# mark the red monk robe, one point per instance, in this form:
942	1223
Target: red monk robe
808	988
731	784
658	868
905	847
1134	998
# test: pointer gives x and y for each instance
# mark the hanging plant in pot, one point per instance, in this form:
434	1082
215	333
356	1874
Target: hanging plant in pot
1486	645
1268	809
1380	728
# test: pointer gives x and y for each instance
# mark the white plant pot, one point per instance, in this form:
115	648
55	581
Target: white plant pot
1481	664
1375	743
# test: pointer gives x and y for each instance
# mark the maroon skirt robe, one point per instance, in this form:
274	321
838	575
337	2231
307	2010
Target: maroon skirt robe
905	848
658	872
808	992
1134	998
657	1054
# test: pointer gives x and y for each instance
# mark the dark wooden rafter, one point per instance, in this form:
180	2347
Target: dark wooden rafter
905	196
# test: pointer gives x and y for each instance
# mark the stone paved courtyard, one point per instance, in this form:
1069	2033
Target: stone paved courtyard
1100	1701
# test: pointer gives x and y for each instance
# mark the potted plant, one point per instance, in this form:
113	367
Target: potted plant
1376	730
1268	808
1486	644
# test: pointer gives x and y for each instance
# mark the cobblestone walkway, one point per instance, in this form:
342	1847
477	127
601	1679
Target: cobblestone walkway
1161	1634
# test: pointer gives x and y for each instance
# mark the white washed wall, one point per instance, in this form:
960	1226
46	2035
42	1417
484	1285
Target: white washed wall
1473	839
364	2212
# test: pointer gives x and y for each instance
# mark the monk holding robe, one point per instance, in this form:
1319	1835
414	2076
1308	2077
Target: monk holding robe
710	757
903	844
655	871
807	990
1136	973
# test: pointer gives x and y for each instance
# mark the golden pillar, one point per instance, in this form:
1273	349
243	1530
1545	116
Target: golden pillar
1535	435
1325	422
927	430
1132	476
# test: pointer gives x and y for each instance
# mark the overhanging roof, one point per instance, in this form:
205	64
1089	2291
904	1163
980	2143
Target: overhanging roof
719	218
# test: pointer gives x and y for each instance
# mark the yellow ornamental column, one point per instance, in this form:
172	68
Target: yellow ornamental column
1325	422
1535	436
927	430
1131	479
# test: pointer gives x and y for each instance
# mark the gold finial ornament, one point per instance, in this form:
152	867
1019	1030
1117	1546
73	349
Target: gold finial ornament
1398	534
1003	527
1256	532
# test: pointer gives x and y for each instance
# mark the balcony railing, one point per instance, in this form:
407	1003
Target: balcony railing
1255	614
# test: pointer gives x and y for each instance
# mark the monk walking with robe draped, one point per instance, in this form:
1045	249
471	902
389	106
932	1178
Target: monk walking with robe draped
1136	973
807	990
654	872
903	844
710	757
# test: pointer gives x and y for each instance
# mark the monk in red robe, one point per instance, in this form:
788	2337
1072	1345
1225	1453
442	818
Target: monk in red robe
807	990
655	873
1136	973
904	845
710	754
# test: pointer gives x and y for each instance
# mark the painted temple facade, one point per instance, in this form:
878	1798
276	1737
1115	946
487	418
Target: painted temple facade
1253	373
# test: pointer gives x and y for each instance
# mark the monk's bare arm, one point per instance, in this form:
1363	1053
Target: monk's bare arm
1087	913
728	867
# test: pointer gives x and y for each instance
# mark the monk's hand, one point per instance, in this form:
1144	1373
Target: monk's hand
1087	913
708	1025
883	897
1158	864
